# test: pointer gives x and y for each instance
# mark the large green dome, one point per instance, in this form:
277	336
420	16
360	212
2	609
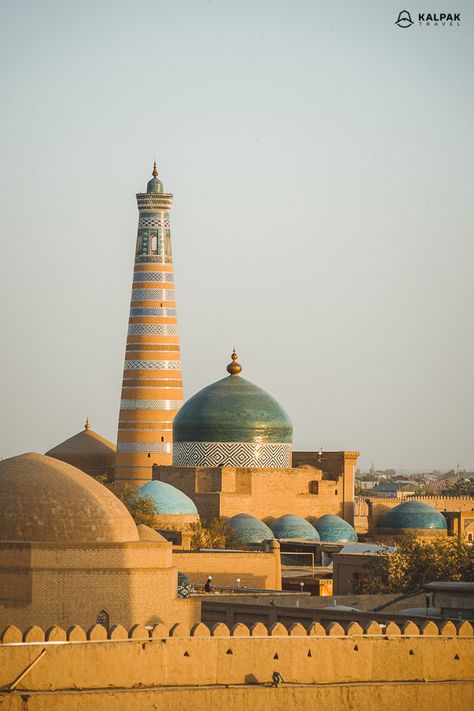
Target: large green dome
232	423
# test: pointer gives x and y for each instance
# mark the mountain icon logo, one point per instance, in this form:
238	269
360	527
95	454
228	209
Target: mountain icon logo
404	19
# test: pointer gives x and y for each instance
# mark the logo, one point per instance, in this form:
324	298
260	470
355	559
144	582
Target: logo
404	19
429	19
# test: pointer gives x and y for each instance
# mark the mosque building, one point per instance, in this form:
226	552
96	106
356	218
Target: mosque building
232	455
152	388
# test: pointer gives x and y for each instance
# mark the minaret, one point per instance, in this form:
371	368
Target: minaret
152	390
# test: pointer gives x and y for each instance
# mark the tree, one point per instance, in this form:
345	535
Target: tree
463	487
417	561
141	508
214	534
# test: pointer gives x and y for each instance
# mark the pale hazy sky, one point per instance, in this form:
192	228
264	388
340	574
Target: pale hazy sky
321	160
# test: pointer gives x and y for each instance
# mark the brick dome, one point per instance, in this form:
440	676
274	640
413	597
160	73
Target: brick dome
44	499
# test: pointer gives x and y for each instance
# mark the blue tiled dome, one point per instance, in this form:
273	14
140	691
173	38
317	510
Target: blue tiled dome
248	529
334	528
413	515
290	526
232	423
167	499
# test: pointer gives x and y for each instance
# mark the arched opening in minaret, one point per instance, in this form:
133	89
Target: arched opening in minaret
154	244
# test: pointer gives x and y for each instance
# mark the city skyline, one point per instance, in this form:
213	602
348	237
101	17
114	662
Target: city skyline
320	159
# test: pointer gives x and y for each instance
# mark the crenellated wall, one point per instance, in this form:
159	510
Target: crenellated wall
402	663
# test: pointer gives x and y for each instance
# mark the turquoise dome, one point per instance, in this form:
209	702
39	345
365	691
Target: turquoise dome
167	499
154	186
290	526
232	423
249	530
413	515
232	410
334	528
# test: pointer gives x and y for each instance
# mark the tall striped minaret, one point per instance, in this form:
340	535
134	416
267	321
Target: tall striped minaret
152	390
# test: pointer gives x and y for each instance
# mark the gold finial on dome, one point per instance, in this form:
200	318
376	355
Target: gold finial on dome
87	426
234	368
155	171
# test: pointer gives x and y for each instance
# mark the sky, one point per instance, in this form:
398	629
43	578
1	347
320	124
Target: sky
321	160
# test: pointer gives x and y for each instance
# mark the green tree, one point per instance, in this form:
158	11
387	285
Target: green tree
463	487
417	561
141	508
214	534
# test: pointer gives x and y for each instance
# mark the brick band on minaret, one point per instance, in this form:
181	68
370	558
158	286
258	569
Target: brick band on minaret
152	389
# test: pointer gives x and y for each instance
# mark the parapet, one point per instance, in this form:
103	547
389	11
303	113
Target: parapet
98	633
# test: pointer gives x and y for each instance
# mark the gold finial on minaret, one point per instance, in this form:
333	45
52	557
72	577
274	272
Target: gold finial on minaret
155	171
234	368
87	426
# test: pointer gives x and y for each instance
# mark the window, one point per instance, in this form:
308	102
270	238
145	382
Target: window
103	619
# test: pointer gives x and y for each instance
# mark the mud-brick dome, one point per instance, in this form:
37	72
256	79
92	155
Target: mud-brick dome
290	526
43	499
232	422
88	451
167	498
415	516
334	528
249	529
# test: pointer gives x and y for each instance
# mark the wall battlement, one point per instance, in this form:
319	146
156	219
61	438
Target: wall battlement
117	669
98	633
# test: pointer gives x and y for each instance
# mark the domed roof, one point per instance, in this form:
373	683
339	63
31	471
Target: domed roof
290	526
167	499
334	528
413	515
232	410
154	185
44	499
86	450
249	529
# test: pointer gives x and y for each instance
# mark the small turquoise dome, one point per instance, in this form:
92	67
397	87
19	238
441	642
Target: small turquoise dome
334	528
413	515
167	499
249	530
290	526
154	185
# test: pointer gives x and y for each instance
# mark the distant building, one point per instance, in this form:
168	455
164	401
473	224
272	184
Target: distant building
395	490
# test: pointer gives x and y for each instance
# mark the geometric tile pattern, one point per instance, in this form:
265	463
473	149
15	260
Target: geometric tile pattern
153	276
143	446
153	295
150	404
231	454
153	329
151	311
152	365
150	222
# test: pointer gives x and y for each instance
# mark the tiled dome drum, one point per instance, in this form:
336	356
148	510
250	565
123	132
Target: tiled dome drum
232	423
